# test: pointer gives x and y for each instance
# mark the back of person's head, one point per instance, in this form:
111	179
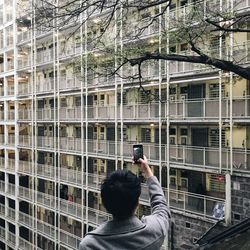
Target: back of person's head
120	192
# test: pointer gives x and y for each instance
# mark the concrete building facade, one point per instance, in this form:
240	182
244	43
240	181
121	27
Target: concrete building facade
61	134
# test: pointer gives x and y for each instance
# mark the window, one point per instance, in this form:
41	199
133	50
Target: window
214	137
146	135
214	90
78	101
184	47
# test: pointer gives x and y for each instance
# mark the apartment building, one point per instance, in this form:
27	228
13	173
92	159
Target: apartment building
62	132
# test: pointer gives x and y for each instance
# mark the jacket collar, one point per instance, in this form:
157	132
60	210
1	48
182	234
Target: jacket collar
115	226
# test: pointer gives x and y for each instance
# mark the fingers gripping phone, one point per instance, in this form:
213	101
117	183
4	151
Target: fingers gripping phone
137	152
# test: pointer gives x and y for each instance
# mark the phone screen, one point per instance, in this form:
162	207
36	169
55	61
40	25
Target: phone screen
137	152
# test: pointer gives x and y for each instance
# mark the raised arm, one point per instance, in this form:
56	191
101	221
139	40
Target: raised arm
158	201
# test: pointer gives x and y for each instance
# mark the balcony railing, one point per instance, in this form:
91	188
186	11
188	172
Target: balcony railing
25	167
70	240
45	142
2	162
70	114
45	85
26	219
179	155
24	62
24	114
71	208
11	189
10	164
44	56
208	108
11	115
24	36
47	171
25	245
46	229
46	114
24	88
69	83
70	144
11	139
25	140
71	176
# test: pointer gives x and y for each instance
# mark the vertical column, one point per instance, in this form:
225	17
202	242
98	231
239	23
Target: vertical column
228	199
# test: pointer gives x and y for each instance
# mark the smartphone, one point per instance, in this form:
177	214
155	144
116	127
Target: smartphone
137	152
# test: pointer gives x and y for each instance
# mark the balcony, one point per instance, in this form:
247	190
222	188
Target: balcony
71	176
24	114
70	144
2	233
45	86
69	240
25	141
25	245
24	89
24	36
11	140
10	165
24	62
26	219
46	114
46	229
69	83
208	109
70	49
70	114
131	113
11	115
45	56
45	142
2	162
25	167
11	214
46	171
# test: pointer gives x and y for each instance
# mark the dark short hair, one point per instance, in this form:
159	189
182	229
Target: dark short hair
120	192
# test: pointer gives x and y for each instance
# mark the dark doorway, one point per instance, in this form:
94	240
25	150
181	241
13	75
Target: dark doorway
195	107
200	140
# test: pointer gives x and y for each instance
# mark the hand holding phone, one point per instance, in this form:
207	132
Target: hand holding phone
137	152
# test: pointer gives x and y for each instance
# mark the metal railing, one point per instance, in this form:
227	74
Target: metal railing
46	114
70	114
25	167
25	140
24	114
11	164
45	142
26	219
208	108
46	229
70	144
11	139
47	171
24	88
69	83
71	176
69	240
46	85
24	62
24	36
25	245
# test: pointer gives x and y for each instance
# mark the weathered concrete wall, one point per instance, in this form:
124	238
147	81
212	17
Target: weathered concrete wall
185	230
240	198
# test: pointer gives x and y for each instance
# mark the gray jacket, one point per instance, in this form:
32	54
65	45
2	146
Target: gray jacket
147	233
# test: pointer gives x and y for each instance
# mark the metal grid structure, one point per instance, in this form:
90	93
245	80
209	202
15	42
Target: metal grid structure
61	134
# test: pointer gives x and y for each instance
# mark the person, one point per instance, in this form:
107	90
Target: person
120	195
